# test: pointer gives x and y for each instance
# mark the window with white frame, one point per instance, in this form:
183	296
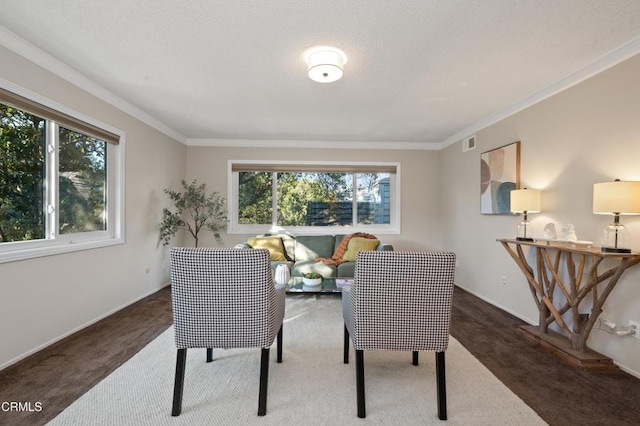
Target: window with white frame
60	179
309	197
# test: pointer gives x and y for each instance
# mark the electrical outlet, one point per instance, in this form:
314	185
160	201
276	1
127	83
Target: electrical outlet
637	328
504	281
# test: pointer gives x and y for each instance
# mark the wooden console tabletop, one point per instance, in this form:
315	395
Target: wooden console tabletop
582	280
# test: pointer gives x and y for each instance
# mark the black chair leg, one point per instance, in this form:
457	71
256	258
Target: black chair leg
209	354
442	387
362	413
279	346
178	386
415	357
264	379
346	345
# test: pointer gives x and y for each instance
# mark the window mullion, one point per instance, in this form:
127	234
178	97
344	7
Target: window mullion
51	183
274	199
354	200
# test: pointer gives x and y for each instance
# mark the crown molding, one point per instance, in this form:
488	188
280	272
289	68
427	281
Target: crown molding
30	52
605	62
306	144
39	57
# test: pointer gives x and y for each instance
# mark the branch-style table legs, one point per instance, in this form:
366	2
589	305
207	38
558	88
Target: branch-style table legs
579	280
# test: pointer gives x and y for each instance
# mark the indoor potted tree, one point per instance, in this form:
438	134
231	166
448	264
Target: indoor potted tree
195	210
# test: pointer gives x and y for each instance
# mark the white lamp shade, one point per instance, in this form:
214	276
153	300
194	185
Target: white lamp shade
616	197
325	64
526	200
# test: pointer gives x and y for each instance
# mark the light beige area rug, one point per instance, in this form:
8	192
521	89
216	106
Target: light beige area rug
311	387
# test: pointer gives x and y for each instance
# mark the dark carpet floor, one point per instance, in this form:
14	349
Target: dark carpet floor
559	393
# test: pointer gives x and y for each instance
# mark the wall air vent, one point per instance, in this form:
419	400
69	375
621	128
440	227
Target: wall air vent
469	143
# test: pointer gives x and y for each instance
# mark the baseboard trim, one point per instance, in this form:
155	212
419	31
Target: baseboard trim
628	370
531	322
497	305
81	327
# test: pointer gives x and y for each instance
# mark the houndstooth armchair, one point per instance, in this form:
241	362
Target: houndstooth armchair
400	301
224	298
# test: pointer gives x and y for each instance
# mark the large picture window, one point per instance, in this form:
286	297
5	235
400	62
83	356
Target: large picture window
304	197
60	188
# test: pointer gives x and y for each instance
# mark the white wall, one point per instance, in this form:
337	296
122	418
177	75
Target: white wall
419	173
587	134
44	299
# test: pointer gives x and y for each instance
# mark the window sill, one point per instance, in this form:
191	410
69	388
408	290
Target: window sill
54	248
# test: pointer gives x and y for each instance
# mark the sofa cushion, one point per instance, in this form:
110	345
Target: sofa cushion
339	239
273	244
346	269
357	244
313	246
289	242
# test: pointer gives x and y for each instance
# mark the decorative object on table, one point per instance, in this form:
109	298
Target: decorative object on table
569	233
550	231
312	279
282	274
616	198
525	201
195	210
499	175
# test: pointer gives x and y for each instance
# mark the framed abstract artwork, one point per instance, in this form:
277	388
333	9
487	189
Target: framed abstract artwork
499	175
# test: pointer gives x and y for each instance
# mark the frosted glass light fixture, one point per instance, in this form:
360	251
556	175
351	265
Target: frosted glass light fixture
616	198
325	64
525	201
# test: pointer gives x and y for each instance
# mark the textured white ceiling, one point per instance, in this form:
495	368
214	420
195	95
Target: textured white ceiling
417	70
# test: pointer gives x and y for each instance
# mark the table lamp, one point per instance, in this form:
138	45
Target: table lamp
616	198
525	201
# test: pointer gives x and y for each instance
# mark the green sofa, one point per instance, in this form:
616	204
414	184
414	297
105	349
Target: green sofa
301	251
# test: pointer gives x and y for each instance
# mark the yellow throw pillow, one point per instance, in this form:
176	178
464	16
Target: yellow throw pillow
357	244
273	244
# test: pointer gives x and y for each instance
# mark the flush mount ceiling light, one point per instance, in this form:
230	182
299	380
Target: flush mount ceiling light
325	63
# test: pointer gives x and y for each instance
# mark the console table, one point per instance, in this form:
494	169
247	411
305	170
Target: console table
582	279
